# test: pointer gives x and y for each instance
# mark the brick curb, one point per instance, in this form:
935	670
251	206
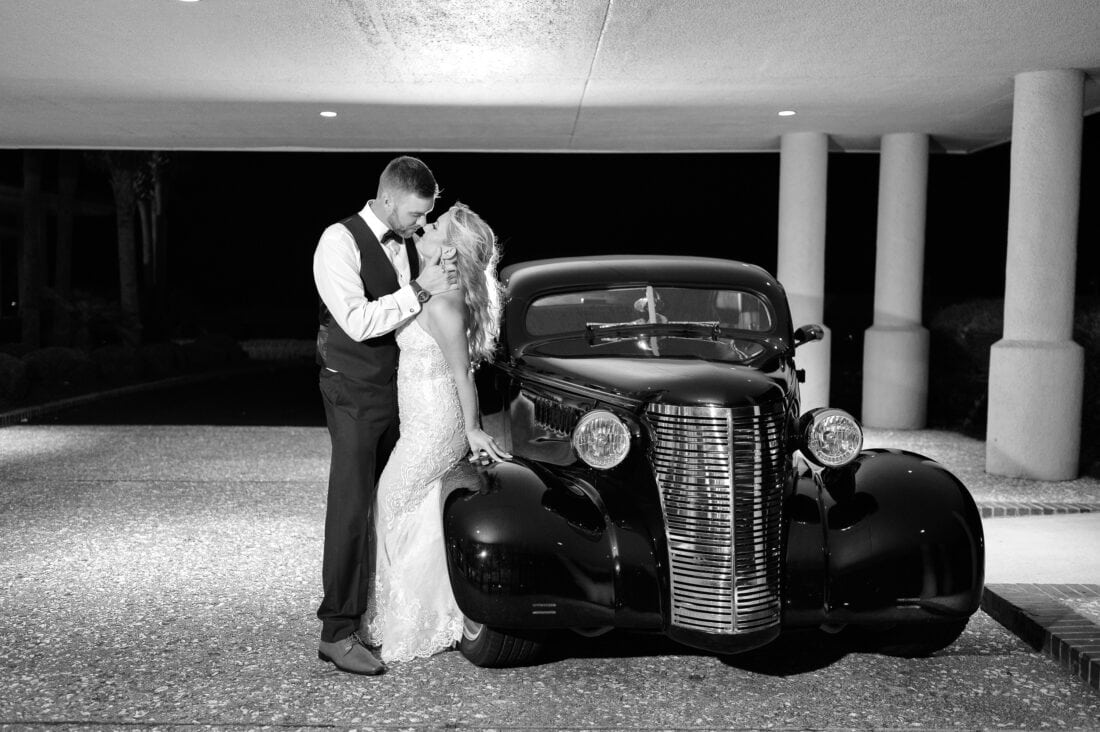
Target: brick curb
1004	509
1037	616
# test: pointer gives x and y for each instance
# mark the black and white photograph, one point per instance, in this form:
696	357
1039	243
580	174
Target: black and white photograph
549	365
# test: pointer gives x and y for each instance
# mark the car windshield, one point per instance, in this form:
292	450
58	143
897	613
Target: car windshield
700	310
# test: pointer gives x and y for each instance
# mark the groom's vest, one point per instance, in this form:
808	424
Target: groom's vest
375	359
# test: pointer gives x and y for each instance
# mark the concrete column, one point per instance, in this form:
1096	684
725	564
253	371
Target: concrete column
895	347
803	168
1036	372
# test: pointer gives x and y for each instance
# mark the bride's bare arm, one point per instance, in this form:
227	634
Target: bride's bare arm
445	315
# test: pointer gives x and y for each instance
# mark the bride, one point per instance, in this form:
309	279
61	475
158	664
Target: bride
412	611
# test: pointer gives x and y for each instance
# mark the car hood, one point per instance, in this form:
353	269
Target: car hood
666	380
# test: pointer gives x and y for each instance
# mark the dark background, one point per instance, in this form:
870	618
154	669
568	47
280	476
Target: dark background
242	225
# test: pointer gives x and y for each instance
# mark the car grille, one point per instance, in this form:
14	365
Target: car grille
719	474
553	415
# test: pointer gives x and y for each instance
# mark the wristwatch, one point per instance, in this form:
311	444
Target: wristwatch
422	295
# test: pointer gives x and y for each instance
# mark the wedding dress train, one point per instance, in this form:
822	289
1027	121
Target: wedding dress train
412	611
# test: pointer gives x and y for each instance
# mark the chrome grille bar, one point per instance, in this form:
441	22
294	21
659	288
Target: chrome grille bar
719	474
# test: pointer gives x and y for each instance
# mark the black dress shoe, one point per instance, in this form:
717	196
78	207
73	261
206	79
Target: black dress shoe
350	654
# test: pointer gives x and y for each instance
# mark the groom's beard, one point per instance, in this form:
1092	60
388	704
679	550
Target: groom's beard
395	227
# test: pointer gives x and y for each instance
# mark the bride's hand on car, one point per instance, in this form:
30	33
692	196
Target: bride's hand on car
484	447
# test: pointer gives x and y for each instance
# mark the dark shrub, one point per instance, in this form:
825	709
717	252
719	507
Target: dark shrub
1086	331
961	336
97	321
13	380
212	351
162	360
958	370
19	350
116	365
58	372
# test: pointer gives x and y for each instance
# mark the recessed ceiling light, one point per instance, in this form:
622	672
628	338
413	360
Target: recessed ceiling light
328	113
787	113
189	1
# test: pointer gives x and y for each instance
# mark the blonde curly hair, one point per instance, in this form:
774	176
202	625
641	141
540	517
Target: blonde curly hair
477	253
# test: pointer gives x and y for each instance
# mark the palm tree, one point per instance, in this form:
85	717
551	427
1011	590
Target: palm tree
63	256
31	275
135	182
148	179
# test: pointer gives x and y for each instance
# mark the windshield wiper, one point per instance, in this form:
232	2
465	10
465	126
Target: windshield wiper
710	329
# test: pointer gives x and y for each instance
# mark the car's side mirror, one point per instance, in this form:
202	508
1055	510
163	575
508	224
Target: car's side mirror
808	333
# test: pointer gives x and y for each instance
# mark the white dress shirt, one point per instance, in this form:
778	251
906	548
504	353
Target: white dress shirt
336	266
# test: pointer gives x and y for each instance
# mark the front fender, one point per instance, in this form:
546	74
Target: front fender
901	533
527	548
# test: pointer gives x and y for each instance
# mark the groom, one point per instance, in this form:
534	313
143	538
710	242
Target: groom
370	281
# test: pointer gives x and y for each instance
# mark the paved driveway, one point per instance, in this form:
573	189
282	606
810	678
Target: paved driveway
167	575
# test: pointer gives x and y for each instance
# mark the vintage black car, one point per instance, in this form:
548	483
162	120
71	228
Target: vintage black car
664	478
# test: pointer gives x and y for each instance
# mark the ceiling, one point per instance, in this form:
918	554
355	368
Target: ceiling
526	75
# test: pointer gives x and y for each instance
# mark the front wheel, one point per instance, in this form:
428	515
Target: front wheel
490	648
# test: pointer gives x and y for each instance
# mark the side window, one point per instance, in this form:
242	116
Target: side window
556	314
742	310
570	312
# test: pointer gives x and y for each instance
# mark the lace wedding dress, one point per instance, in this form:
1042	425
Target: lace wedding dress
412	611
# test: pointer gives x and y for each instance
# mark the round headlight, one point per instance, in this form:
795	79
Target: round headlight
601	439
831	437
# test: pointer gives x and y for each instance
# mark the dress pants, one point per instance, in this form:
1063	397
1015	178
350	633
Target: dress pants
362	425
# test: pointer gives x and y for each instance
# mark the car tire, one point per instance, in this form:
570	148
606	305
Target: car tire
490	648
907	641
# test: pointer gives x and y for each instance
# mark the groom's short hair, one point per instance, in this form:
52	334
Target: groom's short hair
410	175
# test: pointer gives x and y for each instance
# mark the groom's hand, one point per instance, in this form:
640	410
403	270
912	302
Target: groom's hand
447	258
438	274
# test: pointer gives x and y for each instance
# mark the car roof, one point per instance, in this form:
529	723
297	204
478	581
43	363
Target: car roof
526	279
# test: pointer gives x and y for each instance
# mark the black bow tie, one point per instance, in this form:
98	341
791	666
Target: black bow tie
391	236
